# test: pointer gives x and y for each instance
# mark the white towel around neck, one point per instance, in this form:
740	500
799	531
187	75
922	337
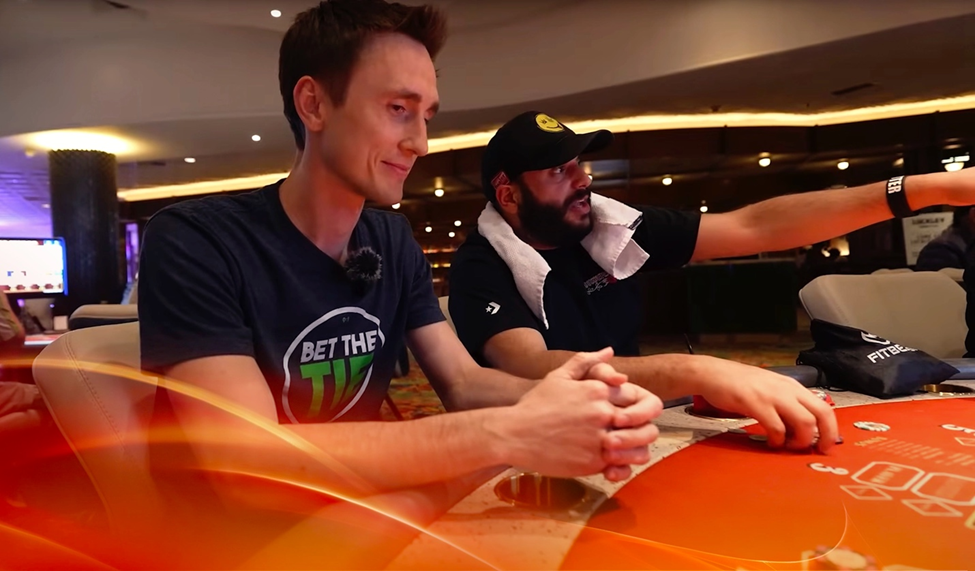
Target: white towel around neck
610	244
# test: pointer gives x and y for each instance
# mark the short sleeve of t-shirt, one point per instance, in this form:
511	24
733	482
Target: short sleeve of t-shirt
484	300
424	306
668	236
189	293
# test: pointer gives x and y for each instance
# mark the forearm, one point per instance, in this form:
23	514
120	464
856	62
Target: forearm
389	456
796	220
233	428
668	376
357	458
459	381
484	387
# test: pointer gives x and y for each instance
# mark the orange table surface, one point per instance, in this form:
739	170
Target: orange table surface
904	497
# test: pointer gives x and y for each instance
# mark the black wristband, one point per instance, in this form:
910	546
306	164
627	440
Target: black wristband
897	199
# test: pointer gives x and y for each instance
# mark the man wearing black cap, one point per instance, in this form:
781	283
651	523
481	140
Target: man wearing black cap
547	270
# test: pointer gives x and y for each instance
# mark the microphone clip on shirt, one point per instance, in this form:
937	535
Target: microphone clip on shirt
363	267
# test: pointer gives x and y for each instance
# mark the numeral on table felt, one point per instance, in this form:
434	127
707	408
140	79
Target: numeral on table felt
828	469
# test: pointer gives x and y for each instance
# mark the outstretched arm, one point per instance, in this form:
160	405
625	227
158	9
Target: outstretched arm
795	220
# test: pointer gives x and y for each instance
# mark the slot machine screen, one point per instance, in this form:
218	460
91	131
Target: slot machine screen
32	267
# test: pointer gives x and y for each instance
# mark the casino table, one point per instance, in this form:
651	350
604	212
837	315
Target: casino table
897	494
713	497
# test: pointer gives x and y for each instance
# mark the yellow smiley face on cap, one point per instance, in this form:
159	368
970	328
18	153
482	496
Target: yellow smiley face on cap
546	123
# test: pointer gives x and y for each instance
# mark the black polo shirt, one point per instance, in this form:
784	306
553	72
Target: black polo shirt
587	309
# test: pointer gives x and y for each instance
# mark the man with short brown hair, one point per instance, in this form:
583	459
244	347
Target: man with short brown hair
289	304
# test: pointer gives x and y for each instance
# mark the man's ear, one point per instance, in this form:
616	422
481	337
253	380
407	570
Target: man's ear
508	197
312	104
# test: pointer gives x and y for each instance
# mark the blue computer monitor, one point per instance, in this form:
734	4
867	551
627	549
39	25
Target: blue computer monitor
33	267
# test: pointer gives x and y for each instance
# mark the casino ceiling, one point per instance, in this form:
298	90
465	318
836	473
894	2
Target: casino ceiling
172	79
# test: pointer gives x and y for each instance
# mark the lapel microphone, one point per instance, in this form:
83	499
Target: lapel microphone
363	267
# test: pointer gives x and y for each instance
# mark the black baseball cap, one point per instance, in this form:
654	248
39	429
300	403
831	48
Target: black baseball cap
533	141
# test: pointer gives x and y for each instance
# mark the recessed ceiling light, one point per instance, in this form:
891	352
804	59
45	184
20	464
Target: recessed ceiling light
899	162
667	181
704	208
190	160
428	229
457	223
451	234
275	13
396	206
764	162
955	163
843	165
438	192
255	138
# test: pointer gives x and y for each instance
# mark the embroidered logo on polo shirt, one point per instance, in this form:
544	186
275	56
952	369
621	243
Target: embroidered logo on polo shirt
598	282
328	366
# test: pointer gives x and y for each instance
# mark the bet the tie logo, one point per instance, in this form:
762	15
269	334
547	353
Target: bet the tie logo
345	375
328	366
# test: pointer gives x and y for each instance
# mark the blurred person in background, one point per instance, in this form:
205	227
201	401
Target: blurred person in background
948	249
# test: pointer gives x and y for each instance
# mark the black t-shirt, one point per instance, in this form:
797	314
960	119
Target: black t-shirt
587	309
231	275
